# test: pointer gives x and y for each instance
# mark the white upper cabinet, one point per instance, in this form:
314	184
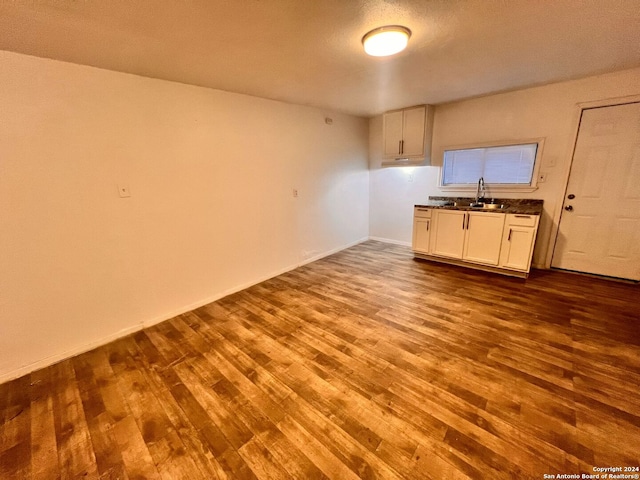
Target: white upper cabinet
407	136
413	131
393	133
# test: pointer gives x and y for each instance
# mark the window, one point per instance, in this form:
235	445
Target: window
501	165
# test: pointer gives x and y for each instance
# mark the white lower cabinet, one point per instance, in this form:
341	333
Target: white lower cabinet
421	230
448	233
484	237
470	236
519	238
495	241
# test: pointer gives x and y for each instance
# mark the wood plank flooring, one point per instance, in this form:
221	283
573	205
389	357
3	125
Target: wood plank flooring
366	364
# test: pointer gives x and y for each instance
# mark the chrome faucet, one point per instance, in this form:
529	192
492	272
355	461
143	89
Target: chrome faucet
480	190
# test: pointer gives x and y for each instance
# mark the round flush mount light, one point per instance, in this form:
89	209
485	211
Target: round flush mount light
385	41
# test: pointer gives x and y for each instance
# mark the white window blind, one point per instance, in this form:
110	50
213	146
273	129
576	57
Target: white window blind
506	165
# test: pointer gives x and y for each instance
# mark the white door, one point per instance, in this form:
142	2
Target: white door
421	233
599	229
448	233
484	236
413	131
392	125
518	248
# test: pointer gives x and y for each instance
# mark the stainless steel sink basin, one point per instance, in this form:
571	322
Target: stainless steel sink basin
493	206
480	205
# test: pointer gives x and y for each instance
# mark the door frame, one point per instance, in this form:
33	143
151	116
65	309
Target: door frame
580	107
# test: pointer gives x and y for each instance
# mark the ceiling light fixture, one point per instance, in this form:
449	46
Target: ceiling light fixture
385	41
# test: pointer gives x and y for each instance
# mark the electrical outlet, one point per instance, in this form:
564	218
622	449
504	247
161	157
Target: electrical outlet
410	177
295	193
542	177
123	191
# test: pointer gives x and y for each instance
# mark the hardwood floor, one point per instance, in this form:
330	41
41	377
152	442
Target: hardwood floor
366	364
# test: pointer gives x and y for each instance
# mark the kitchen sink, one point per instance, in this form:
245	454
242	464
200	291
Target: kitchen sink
493	206
480	205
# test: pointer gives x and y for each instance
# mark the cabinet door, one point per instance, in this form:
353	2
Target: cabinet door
421	234
483	238
413	128
448	233
392	126
518	248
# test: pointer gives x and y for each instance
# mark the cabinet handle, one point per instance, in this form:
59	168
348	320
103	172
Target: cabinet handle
464	219
428	221
399	146
523	216
468	218
402	146
509	238
423	209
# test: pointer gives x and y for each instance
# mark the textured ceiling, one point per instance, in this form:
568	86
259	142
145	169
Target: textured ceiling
309	51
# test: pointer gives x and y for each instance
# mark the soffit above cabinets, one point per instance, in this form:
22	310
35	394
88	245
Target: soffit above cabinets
310	52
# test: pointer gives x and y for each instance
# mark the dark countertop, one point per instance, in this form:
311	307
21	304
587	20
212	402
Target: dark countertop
512	205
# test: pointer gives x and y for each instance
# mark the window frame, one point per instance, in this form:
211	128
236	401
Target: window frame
496	187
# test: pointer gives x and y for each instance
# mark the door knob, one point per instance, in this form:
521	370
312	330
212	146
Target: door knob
568	208
571	196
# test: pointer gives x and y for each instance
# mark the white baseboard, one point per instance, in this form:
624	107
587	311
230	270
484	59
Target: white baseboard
389	240
53	359
322	255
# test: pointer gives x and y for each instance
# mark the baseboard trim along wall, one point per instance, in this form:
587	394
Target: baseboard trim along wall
51	360
389	240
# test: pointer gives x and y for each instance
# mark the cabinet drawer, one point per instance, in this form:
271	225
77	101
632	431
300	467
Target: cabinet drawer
522	220
422	212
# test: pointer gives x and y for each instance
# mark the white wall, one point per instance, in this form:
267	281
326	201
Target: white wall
211	208
549	111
